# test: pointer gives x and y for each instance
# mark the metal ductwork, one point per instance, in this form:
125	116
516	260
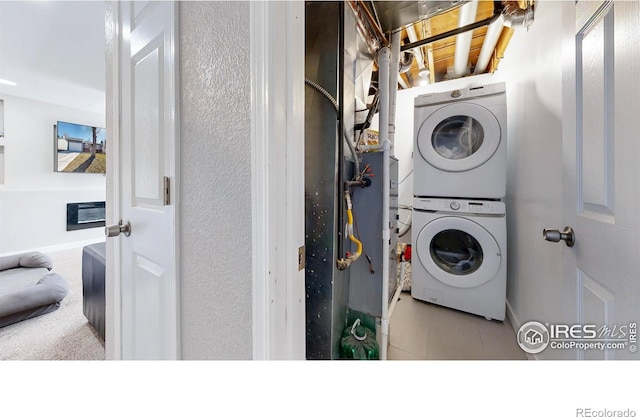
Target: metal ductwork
406	62
515	15
397	14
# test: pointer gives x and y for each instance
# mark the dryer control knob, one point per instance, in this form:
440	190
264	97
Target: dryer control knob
455	205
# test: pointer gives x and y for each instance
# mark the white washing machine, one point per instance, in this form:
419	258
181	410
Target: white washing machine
460	143
460	255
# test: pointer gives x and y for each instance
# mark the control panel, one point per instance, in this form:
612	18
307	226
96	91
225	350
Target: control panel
459	205
461	94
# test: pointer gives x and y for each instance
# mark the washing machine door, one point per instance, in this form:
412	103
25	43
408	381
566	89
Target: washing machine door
459	137
458	252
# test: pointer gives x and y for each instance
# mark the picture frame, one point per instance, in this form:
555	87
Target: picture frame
79	148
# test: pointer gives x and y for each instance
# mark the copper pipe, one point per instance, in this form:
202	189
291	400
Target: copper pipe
372	24
364	28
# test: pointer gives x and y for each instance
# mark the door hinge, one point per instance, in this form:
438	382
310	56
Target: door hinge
302	258
167	191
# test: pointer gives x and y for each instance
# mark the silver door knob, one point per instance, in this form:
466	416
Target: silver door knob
555	235
116	229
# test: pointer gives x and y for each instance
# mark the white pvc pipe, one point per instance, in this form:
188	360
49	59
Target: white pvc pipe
411	32
490	40
402	83
394	74
396	295
383	82
463	41
386	236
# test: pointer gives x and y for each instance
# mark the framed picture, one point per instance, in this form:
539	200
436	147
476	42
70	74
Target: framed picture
79	148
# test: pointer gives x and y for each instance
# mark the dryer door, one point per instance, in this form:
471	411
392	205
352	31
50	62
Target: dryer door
458	252
459	137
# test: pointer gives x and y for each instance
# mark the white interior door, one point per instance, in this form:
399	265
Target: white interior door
602	157
147	261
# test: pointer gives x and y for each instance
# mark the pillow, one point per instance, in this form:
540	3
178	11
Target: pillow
36	260
8	262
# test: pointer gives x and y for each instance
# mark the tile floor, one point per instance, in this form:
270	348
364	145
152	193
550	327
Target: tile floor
419	330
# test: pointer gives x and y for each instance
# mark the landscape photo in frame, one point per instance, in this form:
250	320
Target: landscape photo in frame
80	148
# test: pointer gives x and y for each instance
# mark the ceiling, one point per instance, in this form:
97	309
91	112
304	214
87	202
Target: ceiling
419	20
54	51
439	56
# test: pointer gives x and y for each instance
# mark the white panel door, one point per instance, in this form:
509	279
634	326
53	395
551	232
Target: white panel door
148	154
602	157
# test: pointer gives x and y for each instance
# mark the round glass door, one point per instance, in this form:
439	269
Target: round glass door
459	137
458	252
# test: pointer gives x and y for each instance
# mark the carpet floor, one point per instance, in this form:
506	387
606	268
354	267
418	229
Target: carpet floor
63	334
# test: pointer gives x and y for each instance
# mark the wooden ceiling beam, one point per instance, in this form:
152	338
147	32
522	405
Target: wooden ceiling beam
501	46
426	32
439	55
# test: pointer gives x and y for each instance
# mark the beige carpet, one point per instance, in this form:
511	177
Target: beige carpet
63	334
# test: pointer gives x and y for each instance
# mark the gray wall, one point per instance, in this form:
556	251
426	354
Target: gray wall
215	196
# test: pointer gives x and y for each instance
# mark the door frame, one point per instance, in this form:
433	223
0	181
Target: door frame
277	185
113	299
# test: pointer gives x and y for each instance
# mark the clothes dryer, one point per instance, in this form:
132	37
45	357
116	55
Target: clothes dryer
460	143
460	255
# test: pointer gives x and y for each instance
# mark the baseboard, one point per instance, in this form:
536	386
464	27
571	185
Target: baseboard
55	248
515	324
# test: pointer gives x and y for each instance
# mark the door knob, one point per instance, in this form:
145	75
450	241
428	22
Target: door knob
116	229
555	235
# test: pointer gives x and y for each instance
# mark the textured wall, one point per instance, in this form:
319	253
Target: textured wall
215	164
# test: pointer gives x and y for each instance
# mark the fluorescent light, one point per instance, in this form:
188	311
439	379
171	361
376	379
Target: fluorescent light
7	82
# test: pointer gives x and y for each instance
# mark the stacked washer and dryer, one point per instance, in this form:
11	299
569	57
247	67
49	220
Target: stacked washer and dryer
459	233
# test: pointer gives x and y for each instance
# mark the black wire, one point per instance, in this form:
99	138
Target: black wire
406	231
